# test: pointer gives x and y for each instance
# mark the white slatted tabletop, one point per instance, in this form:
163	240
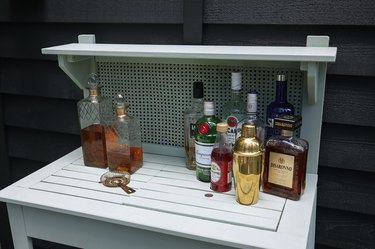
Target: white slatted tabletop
168	200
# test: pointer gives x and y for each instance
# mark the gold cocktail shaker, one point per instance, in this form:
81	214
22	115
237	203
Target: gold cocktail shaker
247	166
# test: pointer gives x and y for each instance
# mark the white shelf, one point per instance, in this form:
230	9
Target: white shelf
168	210
300	54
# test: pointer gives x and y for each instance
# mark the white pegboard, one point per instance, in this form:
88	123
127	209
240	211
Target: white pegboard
158	93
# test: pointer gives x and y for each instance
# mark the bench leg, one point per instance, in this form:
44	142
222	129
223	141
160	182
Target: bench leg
18	227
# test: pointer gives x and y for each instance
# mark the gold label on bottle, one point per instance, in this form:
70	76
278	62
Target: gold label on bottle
281	169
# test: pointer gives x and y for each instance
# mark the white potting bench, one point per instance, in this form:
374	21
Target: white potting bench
65	203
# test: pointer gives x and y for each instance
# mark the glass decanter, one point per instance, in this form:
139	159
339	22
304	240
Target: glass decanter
123	139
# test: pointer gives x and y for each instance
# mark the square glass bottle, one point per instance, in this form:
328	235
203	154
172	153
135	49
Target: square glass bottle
123	139
91	112
285	160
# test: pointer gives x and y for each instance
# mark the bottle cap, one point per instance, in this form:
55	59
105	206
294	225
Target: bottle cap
287	122
236	81
198	90
93	81
280	77
121	105
248	130
222	127
252	102
209	108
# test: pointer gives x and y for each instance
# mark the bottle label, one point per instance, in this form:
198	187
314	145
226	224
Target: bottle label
203	154
221	173
281	169
233	128
192	127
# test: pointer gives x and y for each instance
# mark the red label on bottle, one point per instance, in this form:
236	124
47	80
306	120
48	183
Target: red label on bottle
204	128
232	122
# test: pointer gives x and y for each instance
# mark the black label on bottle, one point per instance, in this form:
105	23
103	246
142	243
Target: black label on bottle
192	130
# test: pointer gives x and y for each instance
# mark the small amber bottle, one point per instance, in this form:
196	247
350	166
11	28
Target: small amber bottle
123	139
285	160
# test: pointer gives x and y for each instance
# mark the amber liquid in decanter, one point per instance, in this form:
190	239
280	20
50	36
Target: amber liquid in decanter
93	145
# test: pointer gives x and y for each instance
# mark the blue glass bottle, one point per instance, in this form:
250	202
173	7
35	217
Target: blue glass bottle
279	106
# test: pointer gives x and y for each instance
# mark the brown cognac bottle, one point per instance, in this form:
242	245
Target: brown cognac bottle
285	160
91	112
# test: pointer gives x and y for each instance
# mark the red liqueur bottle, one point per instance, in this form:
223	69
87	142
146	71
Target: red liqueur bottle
285	160
221	161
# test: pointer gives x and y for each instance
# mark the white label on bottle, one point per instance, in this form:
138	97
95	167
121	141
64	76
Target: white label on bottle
215	172
234	128
203	154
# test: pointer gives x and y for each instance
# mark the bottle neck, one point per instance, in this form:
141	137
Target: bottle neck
236	95
197	102
252	116
281	91
221	139
286	133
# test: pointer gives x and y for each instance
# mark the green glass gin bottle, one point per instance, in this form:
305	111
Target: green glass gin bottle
205	136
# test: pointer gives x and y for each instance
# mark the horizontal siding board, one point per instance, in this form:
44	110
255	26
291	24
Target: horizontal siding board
23	167
350	100
39	35
38	145
36	78
321	12
99	11
346	190
347	147
345	230
41	113
355	47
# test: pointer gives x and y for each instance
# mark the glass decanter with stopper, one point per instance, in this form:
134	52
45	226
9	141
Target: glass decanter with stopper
191	117
91	112
285	160
123	139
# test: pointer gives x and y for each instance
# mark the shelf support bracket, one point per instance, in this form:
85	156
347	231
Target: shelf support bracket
79	67
312	68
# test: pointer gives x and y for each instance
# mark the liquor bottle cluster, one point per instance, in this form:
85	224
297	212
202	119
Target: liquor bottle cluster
243	146
107	140
239	148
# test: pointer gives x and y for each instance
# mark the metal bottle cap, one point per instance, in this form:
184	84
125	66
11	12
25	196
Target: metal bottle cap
281	77
248	131
236	81
198	90
222	127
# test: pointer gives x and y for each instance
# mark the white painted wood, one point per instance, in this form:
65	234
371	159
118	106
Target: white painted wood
17	225
175	207
318	54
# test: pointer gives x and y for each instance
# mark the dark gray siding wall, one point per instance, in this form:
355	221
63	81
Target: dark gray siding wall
38	101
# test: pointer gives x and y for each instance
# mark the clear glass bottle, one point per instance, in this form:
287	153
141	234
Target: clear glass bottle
221	161
191	116
234	111
91	111
279	107
247	166
205	136
123	135
285	160
252	117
